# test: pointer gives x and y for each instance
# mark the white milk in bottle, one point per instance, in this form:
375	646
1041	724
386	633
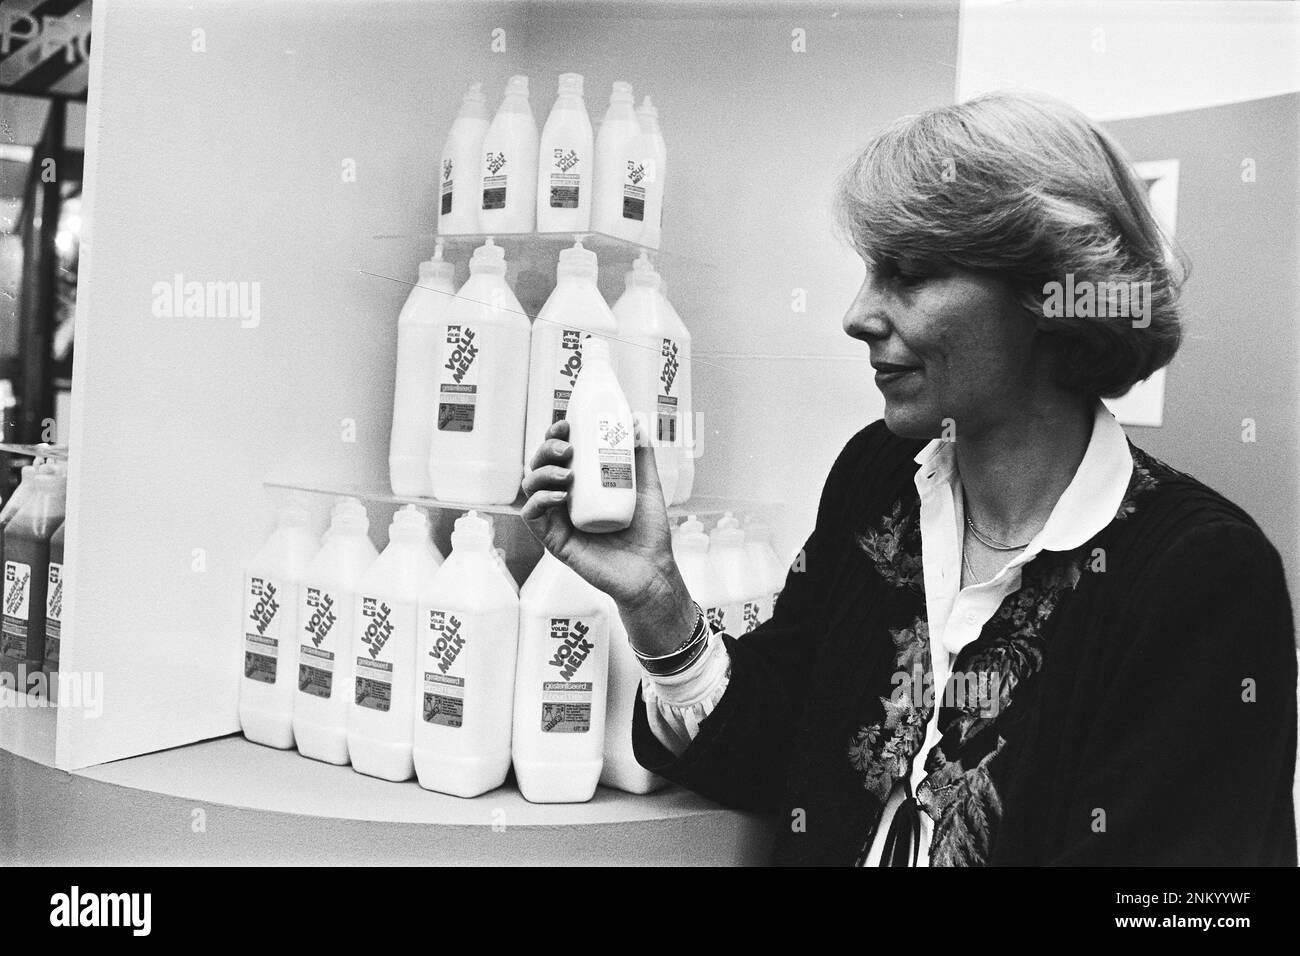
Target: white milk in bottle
477	441
574	309
648	116
764	565
270	644
508	164
415	395
561	685
654	367
615	146
565	162
326	625
691	552
505	569
383	708
731	566
460	191
602	497
620	769
465	677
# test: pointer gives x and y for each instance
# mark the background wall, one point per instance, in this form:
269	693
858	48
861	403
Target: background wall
219	138
1136	58
1239	357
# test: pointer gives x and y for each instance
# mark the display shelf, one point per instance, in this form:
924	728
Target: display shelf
547	246
700	506
41	450
228	800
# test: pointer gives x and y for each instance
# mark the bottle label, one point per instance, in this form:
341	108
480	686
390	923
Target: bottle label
566	707
374	683
17	600
749	616
565	180
261	612
315	654
494	182
614	453
444	638
775	596
566	703
315	671
447	169
458	385
53	615
444	699
666	431
568	363
715	617
633	191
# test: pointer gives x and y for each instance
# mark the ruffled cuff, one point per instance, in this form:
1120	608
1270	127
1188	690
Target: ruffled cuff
677	705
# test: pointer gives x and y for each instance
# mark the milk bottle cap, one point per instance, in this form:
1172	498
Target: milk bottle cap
757	530
647	109
409	524
727	533
642	274
577	261
349	515
488	258
471	533
594	347
570	84
474	96
621	93
436	269
517	86
691	536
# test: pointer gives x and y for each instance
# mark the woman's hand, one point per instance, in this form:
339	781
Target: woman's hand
634	566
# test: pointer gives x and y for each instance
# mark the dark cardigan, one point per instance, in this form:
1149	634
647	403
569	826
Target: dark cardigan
1153	720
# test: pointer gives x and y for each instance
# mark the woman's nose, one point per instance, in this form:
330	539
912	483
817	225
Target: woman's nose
866	318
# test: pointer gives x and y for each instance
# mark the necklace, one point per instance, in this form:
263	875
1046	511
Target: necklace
988	540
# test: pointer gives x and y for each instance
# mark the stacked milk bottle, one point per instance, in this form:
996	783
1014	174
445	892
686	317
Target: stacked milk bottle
482	342
654	365
382	710
501	177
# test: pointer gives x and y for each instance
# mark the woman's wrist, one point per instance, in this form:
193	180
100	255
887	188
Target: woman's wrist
663	616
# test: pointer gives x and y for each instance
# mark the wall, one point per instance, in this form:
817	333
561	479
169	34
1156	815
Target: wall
1239	357
228	165
1132	59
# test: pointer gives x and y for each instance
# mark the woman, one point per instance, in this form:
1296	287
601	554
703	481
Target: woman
1016	638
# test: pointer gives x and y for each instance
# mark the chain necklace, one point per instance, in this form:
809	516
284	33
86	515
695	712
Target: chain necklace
988	540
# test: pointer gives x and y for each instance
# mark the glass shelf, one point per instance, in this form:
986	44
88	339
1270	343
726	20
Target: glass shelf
547	246
702	506
42	450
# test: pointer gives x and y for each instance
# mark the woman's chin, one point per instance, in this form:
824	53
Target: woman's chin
909	421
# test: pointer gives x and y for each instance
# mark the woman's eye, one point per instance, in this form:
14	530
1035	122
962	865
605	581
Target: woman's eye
902	273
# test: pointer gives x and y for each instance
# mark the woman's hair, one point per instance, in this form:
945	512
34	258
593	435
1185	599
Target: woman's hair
1025	187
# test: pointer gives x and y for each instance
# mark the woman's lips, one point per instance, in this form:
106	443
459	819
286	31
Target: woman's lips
888	373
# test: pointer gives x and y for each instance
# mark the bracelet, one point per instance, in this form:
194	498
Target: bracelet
666	665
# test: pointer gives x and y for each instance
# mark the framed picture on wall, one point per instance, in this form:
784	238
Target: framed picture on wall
1145	402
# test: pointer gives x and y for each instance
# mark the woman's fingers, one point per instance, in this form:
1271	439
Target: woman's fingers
547	478
553	451
540	503
647	471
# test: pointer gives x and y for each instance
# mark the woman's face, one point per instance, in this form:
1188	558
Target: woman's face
946	344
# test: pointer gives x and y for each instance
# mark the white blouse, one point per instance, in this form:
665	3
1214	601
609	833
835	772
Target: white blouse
676	706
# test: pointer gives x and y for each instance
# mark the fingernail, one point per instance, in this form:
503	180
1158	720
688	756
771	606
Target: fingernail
559	495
